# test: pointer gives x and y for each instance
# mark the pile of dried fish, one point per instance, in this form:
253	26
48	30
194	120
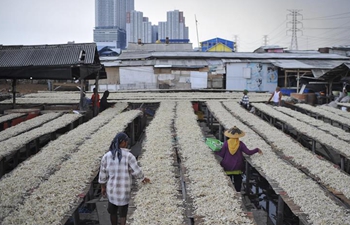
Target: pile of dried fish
214	199
15	143
27	125
305	192
31	173
158	202
56	197
319	168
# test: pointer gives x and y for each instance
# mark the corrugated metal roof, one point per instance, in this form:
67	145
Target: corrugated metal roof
159	47
183	63
46	55
57	62
307	64
318	73
130	63
190	63
291	64
228	55
342	70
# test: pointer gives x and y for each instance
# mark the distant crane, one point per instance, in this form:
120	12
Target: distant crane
199	47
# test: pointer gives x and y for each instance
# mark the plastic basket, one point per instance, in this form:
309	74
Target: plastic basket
214	144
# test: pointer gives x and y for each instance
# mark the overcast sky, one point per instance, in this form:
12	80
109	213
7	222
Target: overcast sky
325	22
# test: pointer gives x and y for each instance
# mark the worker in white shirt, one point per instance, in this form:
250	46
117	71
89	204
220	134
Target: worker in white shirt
276	97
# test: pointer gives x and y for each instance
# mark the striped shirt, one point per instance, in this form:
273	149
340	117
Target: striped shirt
245	100
117	176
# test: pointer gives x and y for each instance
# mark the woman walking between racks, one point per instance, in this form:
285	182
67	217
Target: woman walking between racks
117	166
232	155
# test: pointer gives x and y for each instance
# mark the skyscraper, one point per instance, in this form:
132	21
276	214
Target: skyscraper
174	27
110	20
138	27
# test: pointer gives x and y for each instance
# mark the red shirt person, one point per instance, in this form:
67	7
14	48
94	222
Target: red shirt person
93	99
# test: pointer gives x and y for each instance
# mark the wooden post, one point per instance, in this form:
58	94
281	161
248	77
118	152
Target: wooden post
342	162
96	109
28	150
37	145
211	122
280	209
313	146
132	133
76	219
285	79
15	159
298	77
267	210
14	81
247	180
207	114
2	167
82	96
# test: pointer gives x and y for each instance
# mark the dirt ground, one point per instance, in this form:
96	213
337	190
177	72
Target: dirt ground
23	88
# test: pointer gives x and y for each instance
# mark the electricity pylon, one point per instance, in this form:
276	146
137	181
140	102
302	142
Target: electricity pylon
294	13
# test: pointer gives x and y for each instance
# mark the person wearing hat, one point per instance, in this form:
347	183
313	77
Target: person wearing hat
245	99
117	167
232	155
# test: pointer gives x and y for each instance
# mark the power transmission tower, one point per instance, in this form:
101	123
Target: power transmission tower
236	43
294	14
265	40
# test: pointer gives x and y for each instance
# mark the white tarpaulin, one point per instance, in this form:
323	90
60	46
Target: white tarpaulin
134	75
199	80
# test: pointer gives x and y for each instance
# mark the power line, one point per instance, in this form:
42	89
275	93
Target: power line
323	33
324	17
326	28
284	22
278	35
255	42
337	18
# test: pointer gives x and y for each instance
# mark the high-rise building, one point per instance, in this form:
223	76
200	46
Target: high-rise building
174	27
112	13
154	33
134	20
110	20
162	30
146	32
138	27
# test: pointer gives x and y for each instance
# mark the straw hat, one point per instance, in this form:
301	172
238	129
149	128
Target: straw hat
234	132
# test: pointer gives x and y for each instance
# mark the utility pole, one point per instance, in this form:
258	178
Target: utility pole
265	40
295	24
236	43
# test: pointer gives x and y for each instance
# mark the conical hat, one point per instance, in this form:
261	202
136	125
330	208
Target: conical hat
234	132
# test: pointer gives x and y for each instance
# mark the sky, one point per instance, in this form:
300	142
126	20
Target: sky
322	23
